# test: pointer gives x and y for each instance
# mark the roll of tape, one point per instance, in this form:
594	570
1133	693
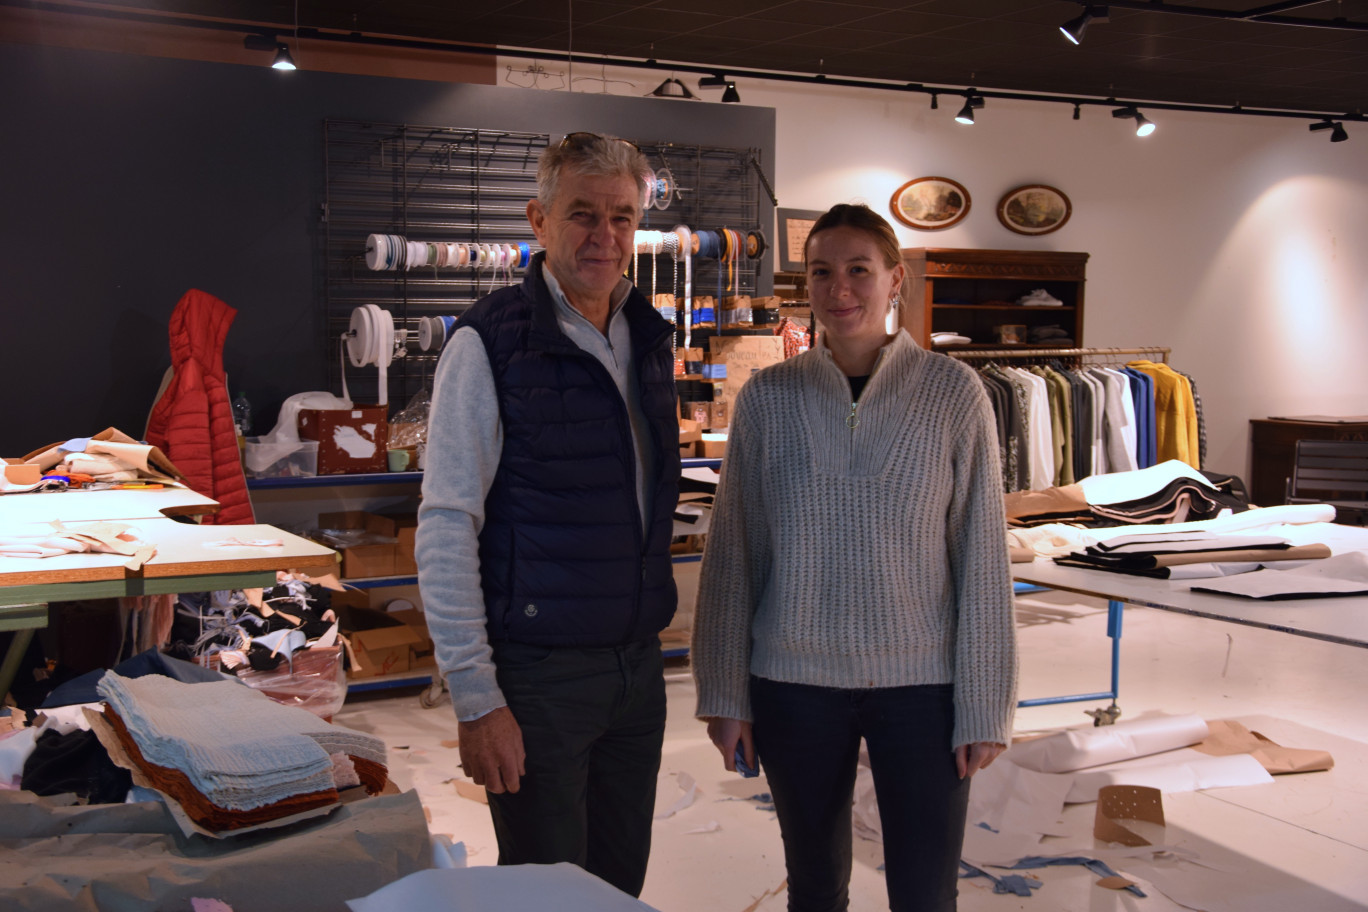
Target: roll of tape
525	254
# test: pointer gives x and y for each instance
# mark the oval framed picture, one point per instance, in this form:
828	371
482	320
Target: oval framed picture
930	203
1034	209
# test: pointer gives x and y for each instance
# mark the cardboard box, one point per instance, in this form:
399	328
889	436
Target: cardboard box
717	414
359	519
406	533
743	355
712	446
350	441
423	653
369	559
362	561
383	650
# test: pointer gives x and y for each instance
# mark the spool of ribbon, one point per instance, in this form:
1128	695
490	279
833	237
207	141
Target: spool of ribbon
756	245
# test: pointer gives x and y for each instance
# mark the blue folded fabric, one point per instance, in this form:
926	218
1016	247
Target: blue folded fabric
82	689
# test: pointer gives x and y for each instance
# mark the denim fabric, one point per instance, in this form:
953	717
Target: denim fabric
593	722
808	740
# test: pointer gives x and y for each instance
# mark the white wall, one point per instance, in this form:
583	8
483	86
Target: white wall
1241	243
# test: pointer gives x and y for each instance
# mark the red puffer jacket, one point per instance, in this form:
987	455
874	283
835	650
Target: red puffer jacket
193	422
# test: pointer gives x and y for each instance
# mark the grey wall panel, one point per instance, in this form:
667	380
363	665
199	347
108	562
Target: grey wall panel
129	180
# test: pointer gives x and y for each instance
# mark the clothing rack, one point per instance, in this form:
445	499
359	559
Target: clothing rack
1075	356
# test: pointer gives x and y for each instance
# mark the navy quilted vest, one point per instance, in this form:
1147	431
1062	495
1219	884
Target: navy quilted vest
563	559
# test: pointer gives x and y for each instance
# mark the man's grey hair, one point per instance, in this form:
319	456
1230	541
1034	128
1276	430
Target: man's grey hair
592	154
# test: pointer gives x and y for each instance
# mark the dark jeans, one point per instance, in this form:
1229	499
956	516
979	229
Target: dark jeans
593	721
808	739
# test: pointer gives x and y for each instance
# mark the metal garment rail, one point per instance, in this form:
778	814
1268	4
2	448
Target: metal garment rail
1076	356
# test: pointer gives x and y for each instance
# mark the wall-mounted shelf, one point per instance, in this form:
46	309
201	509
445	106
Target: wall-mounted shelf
971	292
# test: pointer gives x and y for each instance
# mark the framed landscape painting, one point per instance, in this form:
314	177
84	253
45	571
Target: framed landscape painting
930	203
1034	209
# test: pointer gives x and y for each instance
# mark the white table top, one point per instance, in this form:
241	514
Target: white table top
1337	620
77	506
182	550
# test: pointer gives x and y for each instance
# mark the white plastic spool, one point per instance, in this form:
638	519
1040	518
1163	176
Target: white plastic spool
371	339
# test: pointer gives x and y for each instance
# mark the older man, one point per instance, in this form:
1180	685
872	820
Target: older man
551	479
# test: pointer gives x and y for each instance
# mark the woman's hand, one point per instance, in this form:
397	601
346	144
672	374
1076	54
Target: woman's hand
725	734
969	758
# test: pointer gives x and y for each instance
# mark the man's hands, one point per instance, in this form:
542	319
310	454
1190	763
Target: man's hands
725	733
492	751
970	758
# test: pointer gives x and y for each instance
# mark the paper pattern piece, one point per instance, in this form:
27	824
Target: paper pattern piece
1230	737
467	789
1081	748
688	786
1119	807
1340	576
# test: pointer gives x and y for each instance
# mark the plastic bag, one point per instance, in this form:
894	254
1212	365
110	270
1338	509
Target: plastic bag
409	426
314	679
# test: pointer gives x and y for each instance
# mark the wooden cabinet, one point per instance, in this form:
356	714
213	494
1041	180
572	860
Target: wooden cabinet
972	292
1273	451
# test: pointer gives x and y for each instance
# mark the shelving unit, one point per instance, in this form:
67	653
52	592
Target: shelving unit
970	292
304	497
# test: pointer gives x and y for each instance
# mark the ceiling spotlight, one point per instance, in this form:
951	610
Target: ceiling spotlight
715	81
1337	131
673	88
971	104
935	100
1077	108
731	96
283	60
1075	27
1143	125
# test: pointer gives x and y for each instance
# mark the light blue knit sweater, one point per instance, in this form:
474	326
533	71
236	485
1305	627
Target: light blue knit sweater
872	557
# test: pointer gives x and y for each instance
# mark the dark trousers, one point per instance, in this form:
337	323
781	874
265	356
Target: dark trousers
593	721
808	740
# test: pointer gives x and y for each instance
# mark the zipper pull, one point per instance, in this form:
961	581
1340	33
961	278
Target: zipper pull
852	421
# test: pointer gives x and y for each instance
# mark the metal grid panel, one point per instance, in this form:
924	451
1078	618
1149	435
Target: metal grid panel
469	185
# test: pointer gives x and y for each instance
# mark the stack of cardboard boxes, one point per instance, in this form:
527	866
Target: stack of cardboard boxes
394	638
729	363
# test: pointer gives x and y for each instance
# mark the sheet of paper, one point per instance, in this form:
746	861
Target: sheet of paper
510	887
1013	799
1081	748
1171	772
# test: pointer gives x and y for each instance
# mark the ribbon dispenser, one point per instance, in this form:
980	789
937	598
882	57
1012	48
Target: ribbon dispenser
372	340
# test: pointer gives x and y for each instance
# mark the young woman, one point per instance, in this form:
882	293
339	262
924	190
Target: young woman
856	584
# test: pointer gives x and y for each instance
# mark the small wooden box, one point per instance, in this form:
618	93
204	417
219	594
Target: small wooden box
350	441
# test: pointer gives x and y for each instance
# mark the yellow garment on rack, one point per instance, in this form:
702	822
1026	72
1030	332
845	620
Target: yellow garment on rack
1175	413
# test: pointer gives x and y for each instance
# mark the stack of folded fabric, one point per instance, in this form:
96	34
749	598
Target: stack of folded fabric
229	755
1171	492
1189	555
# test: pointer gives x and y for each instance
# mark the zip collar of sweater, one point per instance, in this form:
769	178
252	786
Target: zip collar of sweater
898	344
